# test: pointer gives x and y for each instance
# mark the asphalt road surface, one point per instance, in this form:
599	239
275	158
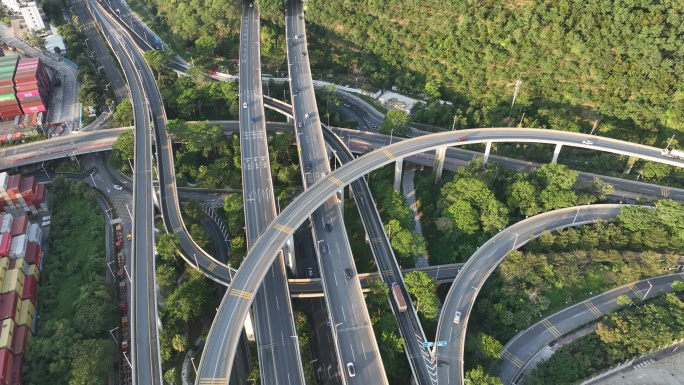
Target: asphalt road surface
465	288
354	339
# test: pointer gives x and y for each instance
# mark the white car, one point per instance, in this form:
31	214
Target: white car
117	187
587	142
296	37
244	105
351	370
251	5
306	116
457	317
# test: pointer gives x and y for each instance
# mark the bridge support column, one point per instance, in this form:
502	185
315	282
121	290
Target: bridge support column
289	120
556	152
439	163
398	168
486	154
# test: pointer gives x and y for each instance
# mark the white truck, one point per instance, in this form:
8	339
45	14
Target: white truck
673	153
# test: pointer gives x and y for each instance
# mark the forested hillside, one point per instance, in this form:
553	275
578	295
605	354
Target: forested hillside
619	61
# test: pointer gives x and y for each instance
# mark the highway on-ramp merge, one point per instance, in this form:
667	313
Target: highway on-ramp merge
235	304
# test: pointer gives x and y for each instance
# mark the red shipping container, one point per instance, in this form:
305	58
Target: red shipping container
27	94
6	89
16	136
9	105
6	365
19	225
20	339
30	289
5	241
28	186
17	376
38	108
13	184
8	305
33	253
3	138
40	194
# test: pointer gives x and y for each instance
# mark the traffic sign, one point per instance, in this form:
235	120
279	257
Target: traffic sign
441	343
428	344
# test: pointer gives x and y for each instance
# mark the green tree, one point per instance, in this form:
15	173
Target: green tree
481	377
488	346
556	175
170	376
423	288
396	123
623	300
91	362
167	246
376	298
158	60
191	297
124	145
166	276
179	342
206	45
678	286
123	116
524	197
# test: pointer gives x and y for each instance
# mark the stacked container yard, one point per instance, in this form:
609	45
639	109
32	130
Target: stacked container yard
32	85
9	107
20	268
19	195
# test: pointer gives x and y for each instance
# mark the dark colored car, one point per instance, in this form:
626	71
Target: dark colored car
253	120
297	91
324	248
310	273
348	273
308	166
328	226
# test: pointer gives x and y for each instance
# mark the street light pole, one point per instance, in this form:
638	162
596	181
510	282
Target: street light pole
110	332
128	275
574	219
391	132
91	177
109	265
515	240
46	173
192	359
318	246
650	286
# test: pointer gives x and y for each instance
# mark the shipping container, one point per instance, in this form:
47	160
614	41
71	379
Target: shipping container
30	288
34	272
7	221
34	108
10	306
6	366
22	336
7	334
8	96
5	242
16	136
28	186
34	253
18	246
19	264
28	314
30	99
35	234
27	94
13	281
17	375
20	224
